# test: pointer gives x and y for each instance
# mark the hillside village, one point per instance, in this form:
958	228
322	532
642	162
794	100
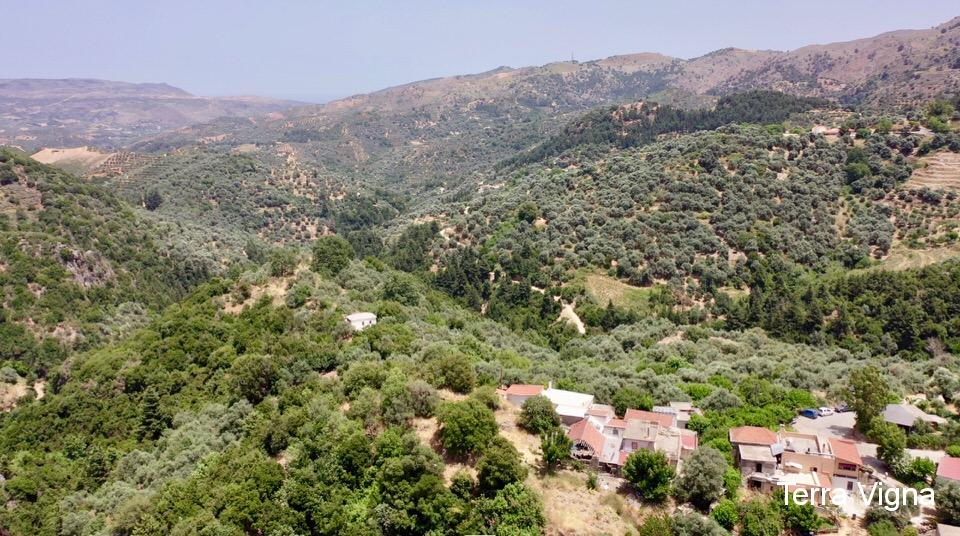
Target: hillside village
769	461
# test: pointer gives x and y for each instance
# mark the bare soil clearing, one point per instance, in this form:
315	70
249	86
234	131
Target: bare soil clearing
74	157
571	508
11	392
570	316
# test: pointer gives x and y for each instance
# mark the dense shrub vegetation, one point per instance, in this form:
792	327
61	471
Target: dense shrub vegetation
642	123
78	266
244	404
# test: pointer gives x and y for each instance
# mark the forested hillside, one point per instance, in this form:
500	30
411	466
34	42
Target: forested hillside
237	205
77	266
755	233
220	417
690	209
639	124
745	225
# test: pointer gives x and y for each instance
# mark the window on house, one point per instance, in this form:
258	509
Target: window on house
759	467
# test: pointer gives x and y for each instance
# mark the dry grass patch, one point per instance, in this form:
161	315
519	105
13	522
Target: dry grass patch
11	392
78	160
571	508
603	289
904	258
527	444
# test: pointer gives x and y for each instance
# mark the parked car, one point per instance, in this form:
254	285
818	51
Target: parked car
842	408
825	411
809	413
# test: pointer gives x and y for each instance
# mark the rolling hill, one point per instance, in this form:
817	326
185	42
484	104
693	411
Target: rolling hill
77	266
427	134
643	229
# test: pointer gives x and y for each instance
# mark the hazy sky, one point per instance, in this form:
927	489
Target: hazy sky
317	50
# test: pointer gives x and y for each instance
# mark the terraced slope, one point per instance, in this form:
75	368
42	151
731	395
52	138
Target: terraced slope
938	171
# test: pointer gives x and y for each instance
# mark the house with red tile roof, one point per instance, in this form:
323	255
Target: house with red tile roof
752	435
587	441
518	393
948	470
848	467
600	437
600	414
682	411
767	459
662	419
614	427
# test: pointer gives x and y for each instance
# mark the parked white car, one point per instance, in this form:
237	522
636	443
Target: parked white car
825	411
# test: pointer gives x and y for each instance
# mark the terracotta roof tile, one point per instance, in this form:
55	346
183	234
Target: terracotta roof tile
601	410
583	431
845	451
521	389
616	423
752	435
949	468
662	419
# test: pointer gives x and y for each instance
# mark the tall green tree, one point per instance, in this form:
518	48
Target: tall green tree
537	415
948	503
466	427
554	446
701	482
650	473
331	254
630	398
411	252
869	394
152	419
891	442
499	466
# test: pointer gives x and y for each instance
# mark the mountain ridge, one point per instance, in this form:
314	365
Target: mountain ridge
429	133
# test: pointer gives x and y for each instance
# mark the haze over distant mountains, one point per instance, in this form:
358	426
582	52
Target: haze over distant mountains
421	129
432	131
68	112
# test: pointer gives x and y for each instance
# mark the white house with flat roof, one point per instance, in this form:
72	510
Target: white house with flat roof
570	406
362	320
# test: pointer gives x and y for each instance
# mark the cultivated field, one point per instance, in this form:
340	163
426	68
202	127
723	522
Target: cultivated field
603	288
938	171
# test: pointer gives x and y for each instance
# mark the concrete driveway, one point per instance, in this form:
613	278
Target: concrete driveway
837	425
